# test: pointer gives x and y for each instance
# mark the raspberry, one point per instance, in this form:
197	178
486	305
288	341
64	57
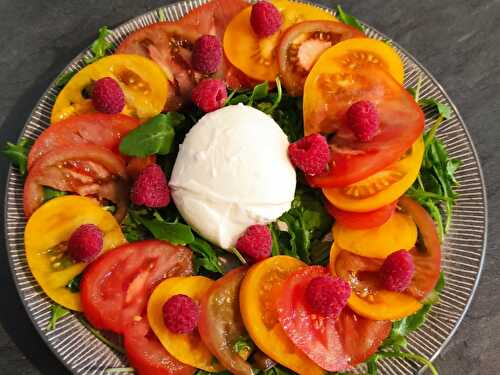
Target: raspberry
209	95
85	244
150	188
180	314
327	295
256	242
363	120
310	154
265	19
397	271
107	96
207	54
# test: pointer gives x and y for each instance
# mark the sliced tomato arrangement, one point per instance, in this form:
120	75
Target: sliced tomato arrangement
87	170
259	292
334	344
116	287
187	348
258	58
170	45
142	81
362	220
302	44
93	128
45	240
220	323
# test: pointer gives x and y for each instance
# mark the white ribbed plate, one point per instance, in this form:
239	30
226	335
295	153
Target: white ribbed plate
463	249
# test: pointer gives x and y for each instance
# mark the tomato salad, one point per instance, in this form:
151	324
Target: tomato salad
343	271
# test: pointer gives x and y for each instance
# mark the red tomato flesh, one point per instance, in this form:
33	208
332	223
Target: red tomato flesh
401	123
333	344
362	220
115	288
93	128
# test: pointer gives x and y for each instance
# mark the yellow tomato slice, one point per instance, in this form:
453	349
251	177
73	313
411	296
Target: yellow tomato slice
142	81
381	188
46	234
375	304
186	348
398	233
258	57
341	62
259	291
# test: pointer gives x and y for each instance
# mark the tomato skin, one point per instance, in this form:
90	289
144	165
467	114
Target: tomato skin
427	253
87	170
362	220
220	323
116	287
147	356
294	80
94	128
401	122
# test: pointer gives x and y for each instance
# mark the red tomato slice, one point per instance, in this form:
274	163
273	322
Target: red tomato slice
333	344
87	170
115	288
427	252
401	123
147	355
362	220
94	128
169	44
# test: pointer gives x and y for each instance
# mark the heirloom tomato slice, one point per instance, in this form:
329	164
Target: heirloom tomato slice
87	170
45	240
116	287
258	57
187	348
259	292
142	81
362	220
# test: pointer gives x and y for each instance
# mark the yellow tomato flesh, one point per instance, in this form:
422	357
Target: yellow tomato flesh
381	188
340	62
143	83
46	234
259	291
380	304
186	348
258	57
399	232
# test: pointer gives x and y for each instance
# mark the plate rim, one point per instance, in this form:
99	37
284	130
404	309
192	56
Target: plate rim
76	63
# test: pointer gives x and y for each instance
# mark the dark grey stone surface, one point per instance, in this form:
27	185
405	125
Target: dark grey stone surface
457	40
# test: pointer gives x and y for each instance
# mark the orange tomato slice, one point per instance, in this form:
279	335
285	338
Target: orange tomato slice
186	348
399	232
381	188
368	299
46	233
258	57
142	81
259	292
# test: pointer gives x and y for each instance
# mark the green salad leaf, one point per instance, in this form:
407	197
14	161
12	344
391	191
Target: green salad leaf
100	47
57	312
155	136
74	284
205	256
348	19
49	193
243	345
133	230
100	336
18	153
173	232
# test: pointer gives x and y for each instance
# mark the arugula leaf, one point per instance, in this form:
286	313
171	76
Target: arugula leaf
205	256
100	336
57	312
49	193
243	345
132	230
320	253
65	78
162	15
18	153
155	136
175	233
443	109
100	47
259	92
74	284
348	19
